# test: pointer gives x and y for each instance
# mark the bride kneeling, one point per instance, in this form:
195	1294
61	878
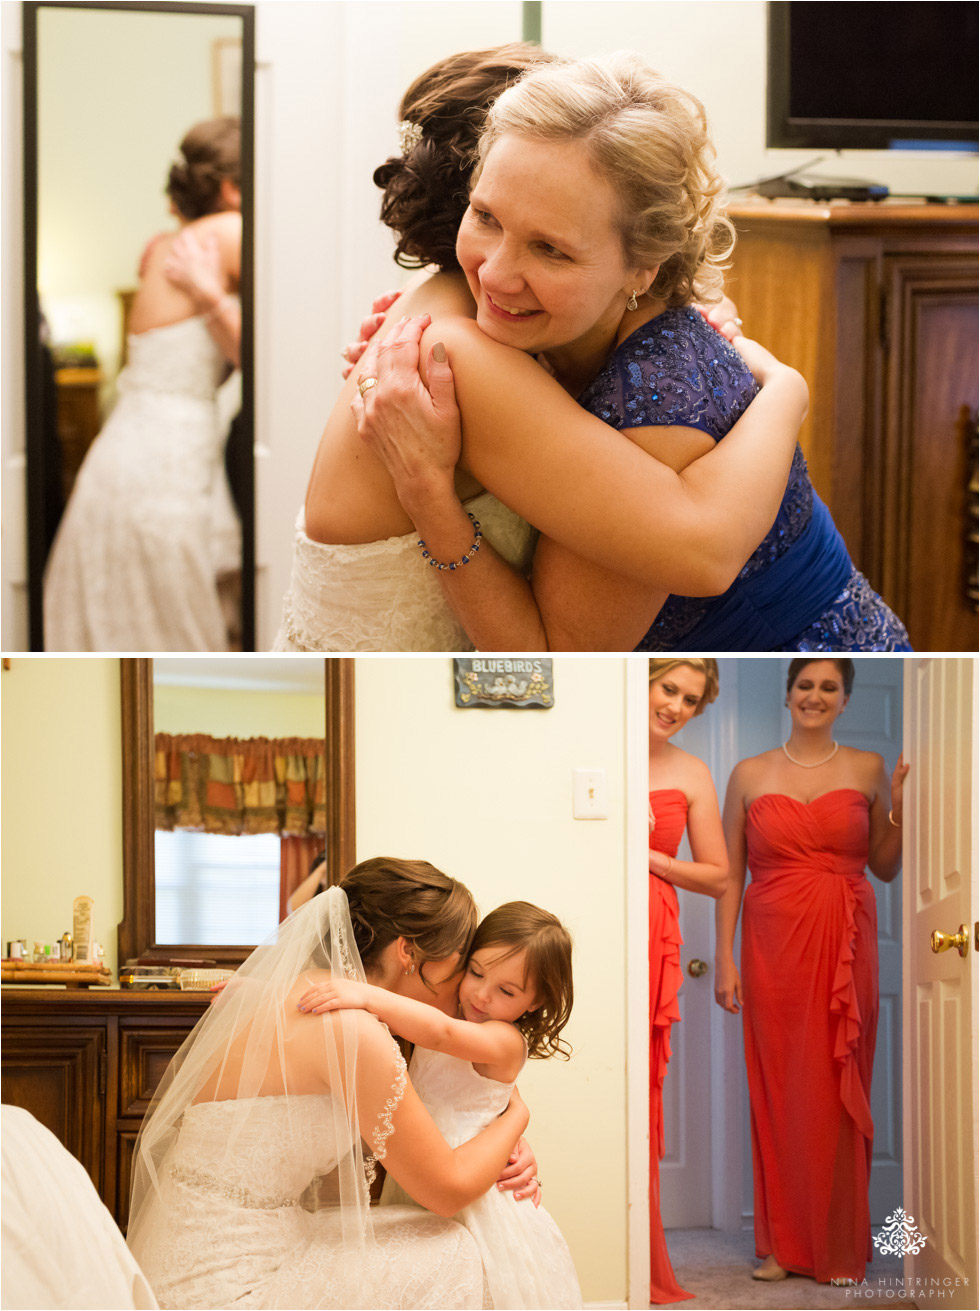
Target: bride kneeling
253	1167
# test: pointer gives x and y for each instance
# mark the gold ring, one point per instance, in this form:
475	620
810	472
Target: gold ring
366	384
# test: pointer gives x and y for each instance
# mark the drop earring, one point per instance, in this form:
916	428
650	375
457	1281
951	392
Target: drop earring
411	969
631	304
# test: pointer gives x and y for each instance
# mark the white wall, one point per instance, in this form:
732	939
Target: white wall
13	524
62	797
717	49
487	796
330	78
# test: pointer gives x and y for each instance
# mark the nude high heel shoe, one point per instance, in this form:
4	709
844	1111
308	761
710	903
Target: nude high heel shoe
770	1271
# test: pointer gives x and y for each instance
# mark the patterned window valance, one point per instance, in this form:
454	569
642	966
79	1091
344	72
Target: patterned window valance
237	785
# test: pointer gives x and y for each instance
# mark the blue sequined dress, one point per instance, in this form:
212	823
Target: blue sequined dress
799	591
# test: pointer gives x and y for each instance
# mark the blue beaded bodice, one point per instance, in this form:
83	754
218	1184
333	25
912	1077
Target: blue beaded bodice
677	371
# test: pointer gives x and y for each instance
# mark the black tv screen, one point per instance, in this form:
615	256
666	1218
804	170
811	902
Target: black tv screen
871	76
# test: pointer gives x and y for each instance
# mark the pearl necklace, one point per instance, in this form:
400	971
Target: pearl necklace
802	763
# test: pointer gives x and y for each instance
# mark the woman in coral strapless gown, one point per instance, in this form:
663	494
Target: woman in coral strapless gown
681	795
807	818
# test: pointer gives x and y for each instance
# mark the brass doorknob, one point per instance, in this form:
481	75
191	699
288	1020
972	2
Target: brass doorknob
696	968
961	940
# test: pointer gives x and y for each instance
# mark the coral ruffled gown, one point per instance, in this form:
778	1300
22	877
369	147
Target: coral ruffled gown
669	807
810	980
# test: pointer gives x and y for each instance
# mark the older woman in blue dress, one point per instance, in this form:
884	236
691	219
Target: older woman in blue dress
584	244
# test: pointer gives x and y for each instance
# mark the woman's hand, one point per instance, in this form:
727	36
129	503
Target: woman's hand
338	994
520	1175
660	864
728	986
899	774
766	369
193	264
369	326
414	429
723	317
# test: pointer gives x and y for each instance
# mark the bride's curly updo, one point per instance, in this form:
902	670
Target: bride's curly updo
426	190
649	139
390	898
211	152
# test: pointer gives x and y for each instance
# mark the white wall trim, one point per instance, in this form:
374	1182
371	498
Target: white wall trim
637	987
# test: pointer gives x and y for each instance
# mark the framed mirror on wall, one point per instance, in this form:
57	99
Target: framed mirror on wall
139	130
236	774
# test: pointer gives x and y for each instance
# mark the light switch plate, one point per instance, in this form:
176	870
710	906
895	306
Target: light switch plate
589	794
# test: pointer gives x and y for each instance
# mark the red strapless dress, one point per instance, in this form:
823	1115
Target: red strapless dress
670	810
810	980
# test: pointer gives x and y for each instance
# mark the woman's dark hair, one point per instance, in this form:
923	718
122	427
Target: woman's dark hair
411	899
211	152
844	667
516	926
426	190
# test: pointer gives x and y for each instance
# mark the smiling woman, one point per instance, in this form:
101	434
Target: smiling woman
807	818
359	579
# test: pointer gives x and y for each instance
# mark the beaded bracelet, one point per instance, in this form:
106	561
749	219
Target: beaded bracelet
437	564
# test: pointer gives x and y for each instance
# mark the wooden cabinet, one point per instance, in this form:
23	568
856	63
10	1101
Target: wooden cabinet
86	1064
79	418
876	305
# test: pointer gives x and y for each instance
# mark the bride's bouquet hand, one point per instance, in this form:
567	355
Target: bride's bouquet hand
412	426
338	994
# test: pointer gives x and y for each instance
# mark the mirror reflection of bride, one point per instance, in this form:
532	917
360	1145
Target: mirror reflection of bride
134	565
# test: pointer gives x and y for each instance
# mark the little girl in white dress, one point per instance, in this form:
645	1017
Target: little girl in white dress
514	999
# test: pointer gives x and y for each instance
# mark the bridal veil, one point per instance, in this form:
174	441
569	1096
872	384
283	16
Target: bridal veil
253	1167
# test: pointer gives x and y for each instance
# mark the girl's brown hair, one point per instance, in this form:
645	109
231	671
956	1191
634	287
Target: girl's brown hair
518	925
844	667
700	665
426	190
211	151
411	899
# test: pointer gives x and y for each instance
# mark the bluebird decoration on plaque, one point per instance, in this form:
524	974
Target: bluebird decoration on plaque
504	682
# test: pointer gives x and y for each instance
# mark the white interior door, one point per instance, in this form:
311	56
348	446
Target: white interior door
940	1051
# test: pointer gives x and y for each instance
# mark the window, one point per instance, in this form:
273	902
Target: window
211	888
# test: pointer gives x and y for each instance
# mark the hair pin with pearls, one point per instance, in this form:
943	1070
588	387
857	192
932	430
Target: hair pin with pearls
409	135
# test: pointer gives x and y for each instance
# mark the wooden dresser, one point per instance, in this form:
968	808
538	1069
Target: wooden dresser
876	305
86	1063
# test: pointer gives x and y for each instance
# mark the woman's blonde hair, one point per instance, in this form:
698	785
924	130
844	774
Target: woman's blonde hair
517	926
649	139
701	665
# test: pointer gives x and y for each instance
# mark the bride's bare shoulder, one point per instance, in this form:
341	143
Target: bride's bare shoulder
434	292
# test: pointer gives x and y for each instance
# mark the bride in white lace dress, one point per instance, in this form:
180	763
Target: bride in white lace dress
135	561
252	1173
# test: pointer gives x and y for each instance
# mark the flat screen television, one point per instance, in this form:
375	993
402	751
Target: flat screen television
872	76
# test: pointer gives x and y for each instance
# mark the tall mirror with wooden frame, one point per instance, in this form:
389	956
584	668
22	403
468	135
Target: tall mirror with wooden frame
139	350
236	773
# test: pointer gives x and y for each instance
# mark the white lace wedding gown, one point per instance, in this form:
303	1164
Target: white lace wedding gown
383	596
235	1232
526	1262
133	566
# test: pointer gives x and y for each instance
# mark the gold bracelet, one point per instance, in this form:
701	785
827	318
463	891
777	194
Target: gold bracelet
891	820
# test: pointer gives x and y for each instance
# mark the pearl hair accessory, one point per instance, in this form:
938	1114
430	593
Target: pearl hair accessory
409	135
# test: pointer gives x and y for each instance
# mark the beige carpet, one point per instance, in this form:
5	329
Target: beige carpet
717	1269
